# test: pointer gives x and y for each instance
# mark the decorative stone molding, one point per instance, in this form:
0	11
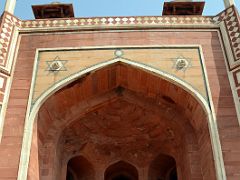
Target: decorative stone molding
9	23
182	63
9	26
231	21
56	65
118	21
7	43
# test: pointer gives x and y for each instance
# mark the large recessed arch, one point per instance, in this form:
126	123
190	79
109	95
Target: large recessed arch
162	75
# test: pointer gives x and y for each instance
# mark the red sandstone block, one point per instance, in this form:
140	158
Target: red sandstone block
13	130
22	83
231	145
230	133
219	79
11	140
11	154
19	93
231	156
21	118
15	121
233	168
226	111
224	102
8	173
227	121
233	177
18	102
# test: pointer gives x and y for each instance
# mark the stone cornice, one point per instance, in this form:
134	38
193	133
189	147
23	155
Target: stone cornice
120	22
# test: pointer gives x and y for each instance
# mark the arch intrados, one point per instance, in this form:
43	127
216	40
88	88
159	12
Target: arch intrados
169	83
180	124
179	138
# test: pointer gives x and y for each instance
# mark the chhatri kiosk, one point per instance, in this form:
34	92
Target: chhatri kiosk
120	98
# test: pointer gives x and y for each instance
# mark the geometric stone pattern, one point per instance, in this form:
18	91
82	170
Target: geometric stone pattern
231	21
116	21
7	26
8	23
232	24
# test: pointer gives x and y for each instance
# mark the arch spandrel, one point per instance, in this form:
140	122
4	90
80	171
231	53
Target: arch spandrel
163	59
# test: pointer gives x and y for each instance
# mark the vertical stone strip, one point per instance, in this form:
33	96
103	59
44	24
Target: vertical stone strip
8	41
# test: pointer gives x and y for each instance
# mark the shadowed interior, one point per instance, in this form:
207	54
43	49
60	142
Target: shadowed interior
121	170
79	168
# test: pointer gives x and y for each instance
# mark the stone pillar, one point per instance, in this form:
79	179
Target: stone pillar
10	6
228	3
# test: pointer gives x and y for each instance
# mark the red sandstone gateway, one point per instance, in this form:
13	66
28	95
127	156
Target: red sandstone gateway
120	98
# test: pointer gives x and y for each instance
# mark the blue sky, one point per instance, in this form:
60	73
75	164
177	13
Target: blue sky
91	8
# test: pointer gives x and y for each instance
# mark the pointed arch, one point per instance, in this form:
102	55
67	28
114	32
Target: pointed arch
81	168
121	170
161	167
32	112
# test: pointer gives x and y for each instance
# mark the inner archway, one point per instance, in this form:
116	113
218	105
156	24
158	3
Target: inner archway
79	168
124	112
163	167
121	171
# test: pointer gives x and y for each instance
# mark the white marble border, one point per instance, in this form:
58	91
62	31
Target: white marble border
32	112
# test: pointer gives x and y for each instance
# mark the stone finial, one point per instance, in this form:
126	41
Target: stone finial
10	6
228	3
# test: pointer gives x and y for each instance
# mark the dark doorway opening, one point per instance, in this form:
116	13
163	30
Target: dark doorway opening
163	167
79	168
121	171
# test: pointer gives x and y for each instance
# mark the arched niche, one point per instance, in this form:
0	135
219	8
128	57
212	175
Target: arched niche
182	114
79	168
163	167
121	171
